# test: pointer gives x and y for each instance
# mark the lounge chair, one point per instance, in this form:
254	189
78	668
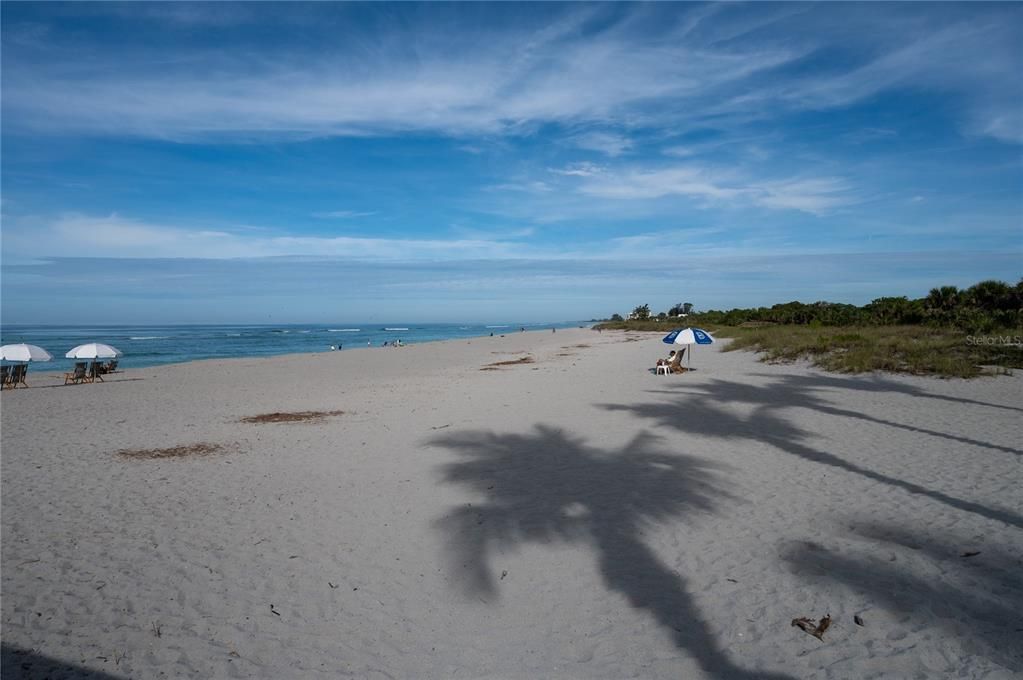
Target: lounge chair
76	376
676	365
5	376
18	375
95	373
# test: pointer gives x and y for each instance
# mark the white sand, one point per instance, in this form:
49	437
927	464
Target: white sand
577	517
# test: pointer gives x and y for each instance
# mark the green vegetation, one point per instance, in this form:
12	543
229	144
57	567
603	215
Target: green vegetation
637	325
983	308
922	350
951	332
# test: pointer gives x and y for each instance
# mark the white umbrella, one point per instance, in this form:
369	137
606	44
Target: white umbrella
23	352
688	336
93	350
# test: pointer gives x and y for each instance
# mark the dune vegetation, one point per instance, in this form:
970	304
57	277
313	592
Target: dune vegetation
950	333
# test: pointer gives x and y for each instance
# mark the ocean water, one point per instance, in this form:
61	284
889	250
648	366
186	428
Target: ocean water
158	345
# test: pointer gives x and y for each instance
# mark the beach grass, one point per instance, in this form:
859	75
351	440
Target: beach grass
920	350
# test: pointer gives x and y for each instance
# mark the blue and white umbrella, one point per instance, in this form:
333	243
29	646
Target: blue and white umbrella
688	336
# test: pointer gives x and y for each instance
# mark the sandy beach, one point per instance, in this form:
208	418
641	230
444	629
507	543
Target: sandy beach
563	514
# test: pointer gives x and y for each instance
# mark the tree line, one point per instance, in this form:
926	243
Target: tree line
983	307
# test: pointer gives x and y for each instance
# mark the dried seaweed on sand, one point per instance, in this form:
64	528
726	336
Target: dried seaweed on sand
510	362
295	417
183	451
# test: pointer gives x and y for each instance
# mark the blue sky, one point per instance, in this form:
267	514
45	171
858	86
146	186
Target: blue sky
459	162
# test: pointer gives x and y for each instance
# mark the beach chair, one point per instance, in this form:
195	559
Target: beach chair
76	376
676	365
5	376
95	373
108	367
18	375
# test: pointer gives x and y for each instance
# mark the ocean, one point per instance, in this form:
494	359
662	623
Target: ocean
158	345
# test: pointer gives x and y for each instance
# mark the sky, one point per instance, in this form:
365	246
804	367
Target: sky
237	163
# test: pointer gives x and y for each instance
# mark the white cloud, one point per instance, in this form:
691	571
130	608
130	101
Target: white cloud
976	59
645	184
815	195
341	214
527	186
578	170
114	236
479	82
686	67
678	151
605	142
1004	123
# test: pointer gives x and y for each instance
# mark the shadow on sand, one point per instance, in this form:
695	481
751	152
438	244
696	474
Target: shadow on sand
547	486
700	409
26	664
873	383
976	600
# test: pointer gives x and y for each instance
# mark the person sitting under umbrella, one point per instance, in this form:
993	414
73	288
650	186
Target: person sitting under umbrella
665	363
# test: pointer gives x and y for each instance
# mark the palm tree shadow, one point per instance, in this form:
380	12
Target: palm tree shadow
874	384
697	412
803	392
977	599
18	662
547	486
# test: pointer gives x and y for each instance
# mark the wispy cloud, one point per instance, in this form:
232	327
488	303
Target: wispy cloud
461	86
527	186
116	236
578	170
646	184
974	58
341	214
678	151
522	150
814	195
605	142
644	67
289	289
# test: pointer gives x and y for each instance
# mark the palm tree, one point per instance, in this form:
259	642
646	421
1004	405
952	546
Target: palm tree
942	302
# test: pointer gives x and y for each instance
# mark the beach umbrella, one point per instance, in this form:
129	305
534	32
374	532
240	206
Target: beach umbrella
23	352
93	350
688	336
